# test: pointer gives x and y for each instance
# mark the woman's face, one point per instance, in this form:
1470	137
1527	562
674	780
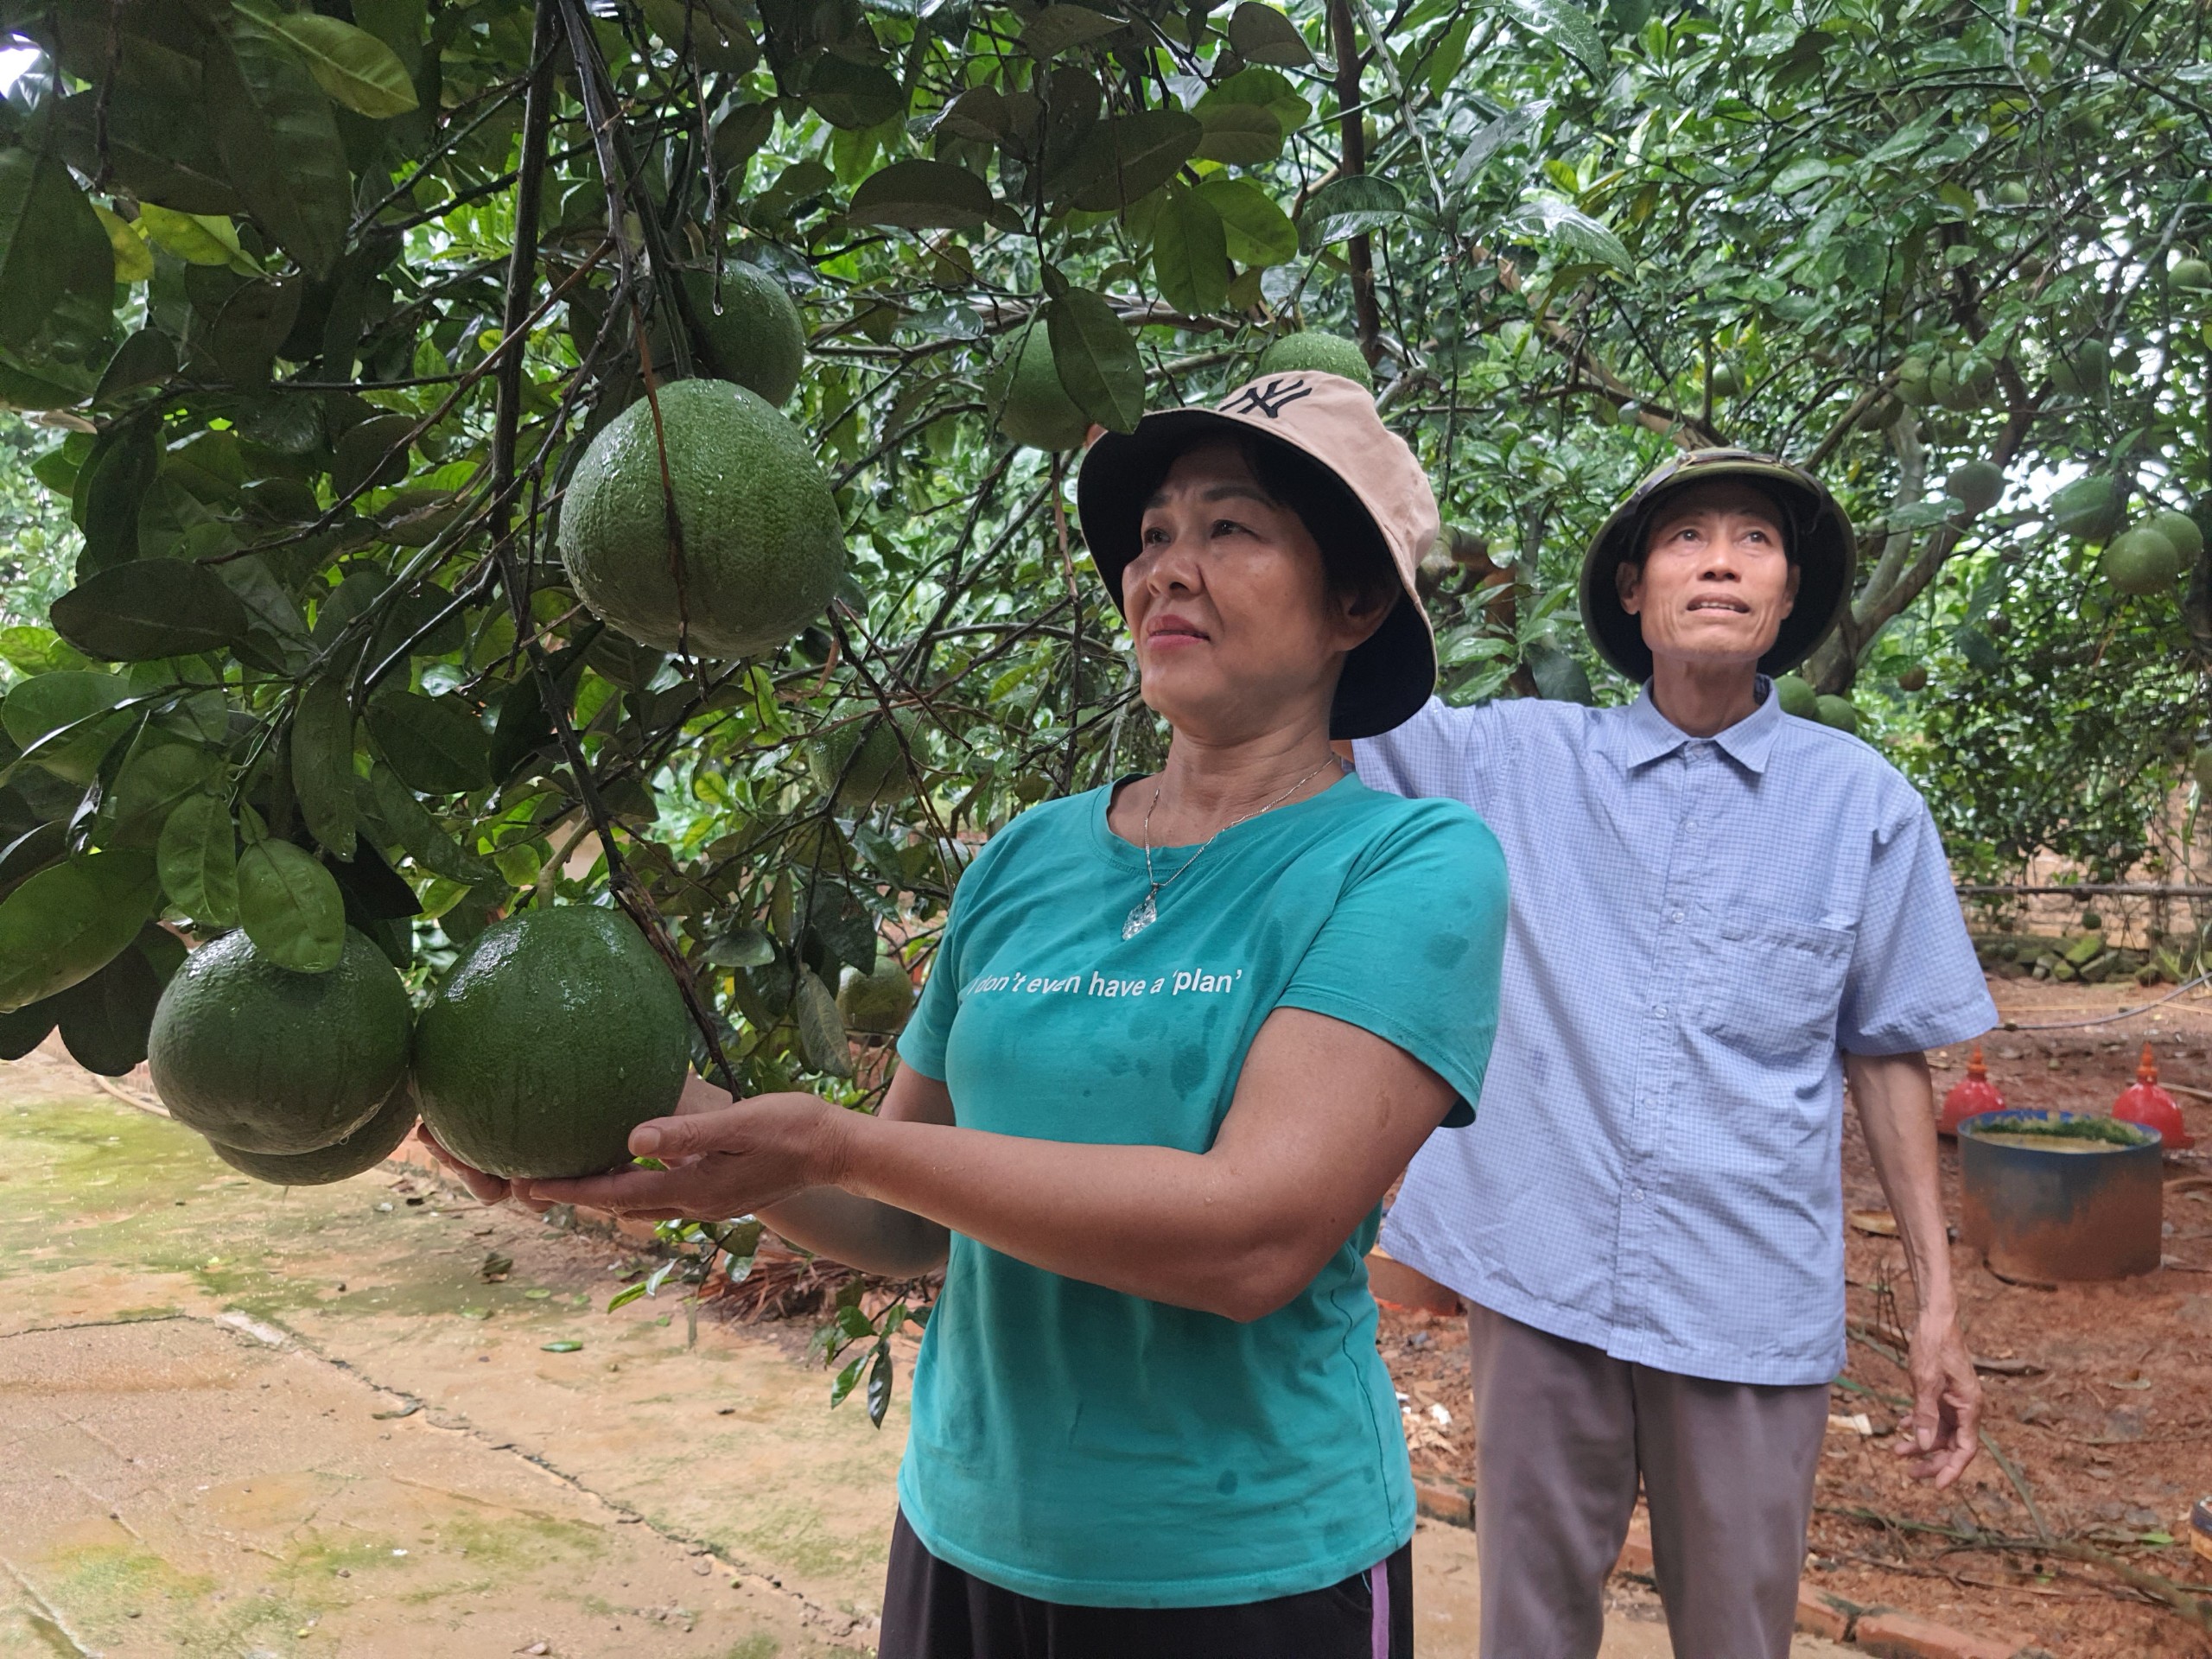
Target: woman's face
1234	625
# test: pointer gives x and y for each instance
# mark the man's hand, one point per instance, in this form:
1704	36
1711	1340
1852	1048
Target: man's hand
1940	1434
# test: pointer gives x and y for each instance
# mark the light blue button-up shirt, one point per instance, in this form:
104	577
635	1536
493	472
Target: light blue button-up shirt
1701	929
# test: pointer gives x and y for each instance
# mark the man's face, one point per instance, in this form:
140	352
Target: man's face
1715	583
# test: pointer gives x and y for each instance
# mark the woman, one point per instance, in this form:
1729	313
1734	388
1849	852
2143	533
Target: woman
1180	1036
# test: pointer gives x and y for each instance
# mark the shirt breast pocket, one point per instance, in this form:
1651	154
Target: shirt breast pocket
1778	986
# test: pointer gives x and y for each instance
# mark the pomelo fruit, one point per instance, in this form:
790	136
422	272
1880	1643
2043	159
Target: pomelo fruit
763	546
1913	679
556	1033
2140	562
757	339
2081	371
864	762
1978	485
2013	193
1310	348
1912	382
267	1061
2193	274
876	1003
364	1148
1839	713
1723	380
2182	530
1798	698
1034	408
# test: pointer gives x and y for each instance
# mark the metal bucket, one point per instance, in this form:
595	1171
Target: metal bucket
2047	1216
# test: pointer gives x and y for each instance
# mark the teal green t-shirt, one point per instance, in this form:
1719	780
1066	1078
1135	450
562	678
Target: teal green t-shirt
1083	1445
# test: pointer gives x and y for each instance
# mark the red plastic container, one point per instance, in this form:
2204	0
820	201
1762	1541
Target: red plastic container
1972	1094
2151	1106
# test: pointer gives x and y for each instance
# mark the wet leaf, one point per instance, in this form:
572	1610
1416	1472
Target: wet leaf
109	489
879	1386
821	1027
322	764
1347	207
1568	25
1190	253
146	359
350	64
197	855
1097	358
1263	35
1057	28
424	838
150	608
69	920
853	96
53	719
278	142
435	745
51	243
1258	232
1243	134
290	907
920	195
1126	158
160	771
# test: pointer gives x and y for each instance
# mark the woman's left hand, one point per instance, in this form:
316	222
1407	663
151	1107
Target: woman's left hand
724	1157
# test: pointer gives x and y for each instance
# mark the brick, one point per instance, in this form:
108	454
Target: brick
1821	1612
1445	1501
1393	1282
1907	1636
1636	1550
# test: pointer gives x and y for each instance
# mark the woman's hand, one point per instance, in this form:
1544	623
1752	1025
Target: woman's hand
488	1189
723	1158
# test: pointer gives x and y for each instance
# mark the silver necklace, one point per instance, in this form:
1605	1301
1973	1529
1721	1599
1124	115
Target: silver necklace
1145	912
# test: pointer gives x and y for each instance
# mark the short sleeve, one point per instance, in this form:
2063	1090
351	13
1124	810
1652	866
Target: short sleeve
929	1028
1412	949
1441	751
1913	981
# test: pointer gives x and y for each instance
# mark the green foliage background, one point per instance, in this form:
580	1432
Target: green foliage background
321	320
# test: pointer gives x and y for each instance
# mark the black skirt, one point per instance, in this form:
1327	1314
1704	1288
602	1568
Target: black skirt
934	1610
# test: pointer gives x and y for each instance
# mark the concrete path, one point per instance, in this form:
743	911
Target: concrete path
240	1421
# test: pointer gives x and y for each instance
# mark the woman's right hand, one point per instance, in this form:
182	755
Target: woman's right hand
488	1189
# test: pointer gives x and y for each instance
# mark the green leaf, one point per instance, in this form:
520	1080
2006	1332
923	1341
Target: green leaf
847	1381
1348	208
159	150
197	856
160	771
51	244
1263	35
741	947
1125	158
714	29
437	747
424	838
1241	134
919	196
290	907
879	1386
1258	232
853	96
1269	88
562	1347
351	65
150	608
1096	357
196	238
1567	26
105	1019
322	764
372	452
55	718
821	1027
69	920
1057	28
134	260
110	487
32	851
278	141
1492	137
625	1296
23	1029
1190	253
1579	238
146	358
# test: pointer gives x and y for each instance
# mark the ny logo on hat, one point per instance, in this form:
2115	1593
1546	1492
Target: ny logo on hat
1269	400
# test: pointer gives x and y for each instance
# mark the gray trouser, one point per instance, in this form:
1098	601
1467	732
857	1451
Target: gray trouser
1562	1432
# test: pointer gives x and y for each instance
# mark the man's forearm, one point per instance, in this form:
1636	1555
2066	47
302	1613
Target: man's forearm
1896	1109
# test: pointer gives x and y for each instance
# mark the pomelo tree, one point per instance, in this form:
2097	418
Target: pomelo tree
321	309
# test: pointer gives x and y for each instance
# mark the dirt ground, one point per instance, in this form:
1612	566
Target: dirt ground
2108	1424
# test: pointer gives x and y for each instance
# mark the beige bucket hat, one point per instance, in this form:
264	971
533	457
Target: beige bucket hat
1331	423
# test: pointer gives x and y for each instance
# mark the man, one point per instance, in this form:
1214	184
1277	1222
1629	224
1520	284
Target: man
1720	913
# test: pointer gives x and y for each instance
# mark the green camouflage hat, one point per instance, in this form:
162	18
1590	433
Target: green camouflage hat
1820	545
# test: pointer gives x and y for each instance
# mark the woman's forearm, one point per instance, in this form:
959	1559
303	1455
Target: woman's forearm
860	1232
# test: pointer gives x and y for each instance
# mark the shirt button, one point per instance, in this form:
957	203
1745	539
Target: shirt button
1659	1008
1673	915
1689	823
1636	1192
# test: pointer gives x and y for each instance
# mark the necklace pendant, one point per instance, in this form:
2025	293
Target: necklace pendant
1142	915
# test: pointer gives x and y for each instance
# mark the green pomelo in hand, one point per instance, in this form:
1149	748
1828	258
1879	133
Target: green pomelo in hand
1798	698
267	1061
763	547
556	1033
757	339
865	763
878	1002
2140	562
1839	713
363	1149
1311	349
1034	408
